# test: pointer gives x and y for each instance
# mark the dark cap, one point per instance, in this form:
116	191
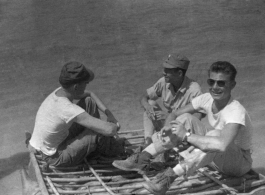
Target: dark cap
176	61
75	72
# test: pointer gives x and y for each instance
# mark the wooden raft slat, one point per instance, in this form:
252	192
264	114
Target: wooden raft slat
84	180
38	174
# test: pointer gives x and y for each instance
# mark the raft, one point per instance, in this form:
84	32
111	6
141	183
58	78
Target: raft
99	177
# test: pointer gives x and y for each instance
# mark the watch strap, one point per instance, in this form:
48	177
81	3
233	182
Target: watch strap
185	138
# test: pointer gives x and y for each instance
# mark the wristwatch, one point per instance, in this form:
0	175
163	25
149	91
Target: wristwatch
185	138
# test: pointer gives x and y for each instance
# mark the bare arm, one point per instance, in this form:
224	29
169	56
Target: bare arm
103	108
174	114
144	101
99	103
97	125
148	108
216	143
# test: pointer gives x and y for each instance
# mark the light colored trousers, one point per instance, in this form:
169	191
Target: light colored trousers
234	161
152	126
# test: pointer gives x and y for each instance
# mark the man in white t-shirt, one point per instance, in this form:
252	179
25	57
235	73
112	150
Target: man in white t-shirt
226	146
65	132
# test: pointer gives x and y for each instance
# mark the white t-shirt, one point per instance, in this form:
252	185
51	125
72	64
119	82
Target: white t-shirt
53	120
233	112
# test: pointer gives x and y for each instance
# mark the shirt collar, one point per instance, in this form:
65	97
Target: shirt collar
184	85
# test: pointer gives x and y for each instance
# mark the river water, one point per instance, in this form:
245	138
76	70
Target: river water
124	42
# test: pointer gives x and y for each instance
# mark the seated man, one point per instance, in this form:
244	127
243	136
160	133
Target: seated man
175	91
227	147
65	132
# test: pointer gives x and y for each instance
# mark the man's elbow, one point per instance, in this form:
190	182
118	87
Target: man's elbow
217	147
222	147
172	116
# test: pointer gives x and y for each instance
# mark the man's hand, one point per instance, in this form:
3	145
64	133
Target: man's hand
178	129
114	131
166	131
150	112
119	126
161	115
176	132
112	119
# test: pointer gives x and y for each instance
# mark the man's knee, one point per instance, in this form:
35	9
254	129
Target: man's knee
185	117
152	102
187	120
90	106
192	123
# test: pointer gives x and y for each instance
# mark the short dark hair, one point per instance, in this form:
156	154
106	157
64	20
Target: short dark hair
181	69
223	67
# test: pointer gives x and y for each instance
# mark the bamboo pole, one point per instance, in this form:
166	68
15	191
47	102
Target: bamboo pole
133	137
99	179
189	189
86	179
91	179
99	184
134	143
130	131
139	185
38	175
113	170
229	189
79	167
52	186
249	184
130	175
256	191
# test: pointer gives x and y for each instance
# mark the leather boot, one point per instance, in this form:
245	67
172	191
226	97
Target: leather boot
139	162
161	183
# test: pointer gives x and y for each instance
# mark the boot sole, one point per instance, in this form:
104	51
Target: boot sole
146	186
127	169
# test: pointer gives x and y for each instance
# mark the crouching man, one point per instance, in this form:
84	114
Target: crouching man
226	146
66	132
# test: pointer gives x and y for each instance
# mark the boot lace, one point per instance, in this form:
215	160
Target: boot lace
144	166
164	178
134	157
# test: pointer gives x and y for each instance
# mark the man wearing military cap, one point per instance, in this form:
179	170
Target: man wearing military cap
65	132
174	89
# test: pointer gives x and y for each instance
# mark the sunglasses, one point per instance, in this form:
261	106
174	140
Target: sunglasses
220	83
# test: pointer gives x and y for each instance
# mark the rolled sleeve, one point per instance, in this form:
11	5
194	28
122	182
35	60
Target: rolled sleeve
152	93
155	91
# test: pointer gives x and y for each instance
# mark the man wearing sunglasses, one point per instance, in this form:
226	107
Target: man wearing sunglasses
174	89
226	146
